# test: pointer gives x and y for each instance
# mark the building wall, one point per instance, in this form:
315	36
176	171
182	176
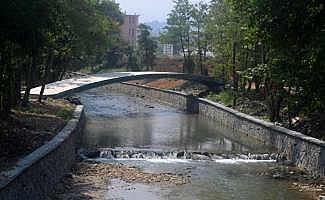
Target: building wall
129	29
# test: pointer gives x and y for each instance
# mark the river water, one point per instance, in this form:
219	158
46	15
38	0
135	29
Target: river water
162	136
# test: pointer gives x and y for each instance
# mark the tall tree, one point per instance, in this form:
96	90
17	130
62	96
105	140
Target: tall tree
292	33
179	25
146	46
199	17
226	30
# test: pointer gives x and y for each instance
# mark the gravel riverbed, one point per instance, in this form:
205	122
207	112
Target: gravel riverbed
91	180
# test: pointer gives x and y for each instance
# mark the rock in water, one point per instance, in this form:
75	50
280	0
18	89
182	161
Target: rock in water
92	154
180	154
200	157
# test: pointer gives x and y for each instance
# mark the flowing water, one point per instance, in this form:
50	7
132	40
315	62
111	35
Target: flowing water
157	138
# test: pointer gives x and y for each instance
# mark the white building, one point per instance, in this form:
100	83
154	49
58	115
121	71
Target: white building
167	49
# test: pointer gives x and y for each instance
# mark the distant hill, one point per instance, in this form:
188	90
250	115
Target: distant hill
157	27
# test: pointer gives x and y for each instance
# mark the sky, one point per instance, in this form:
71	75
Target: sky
149	10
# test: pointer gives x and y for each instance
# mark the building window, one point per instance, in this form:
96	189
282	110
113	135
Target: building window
132	32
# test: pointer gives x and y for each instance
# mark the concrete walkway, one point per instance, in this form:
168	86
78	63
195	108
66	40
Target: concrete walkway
68	86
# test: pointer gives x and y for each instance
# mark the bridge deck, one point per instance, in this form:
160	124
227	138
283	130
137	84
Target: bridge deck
65	87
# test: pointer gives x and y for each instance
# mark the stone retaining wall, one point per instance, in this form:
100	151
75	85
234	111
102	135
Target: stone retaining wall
172	98
37	175
305	152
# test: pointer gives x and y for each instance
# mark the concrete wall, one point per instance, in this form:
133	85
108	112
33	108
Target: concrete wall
40	173
305	152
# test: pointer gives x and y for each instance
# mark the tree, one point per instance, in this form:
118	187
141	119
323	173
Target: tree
226	32
199	15
179	26
44	37
292	33
146	46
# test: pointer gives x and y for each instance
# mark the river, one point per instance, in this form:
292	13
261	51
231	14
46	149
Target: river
220	166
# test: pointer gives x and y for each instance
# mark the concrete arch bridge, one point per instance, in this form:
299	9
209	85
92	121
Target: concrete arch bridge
65	87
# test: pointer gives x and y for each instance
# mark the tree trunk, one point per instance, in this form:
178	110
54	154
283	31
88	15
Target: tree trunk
64	68
274	100
46	73
200	48
205	57
183	50
6	99
29	81
234	74
15	79
290	116
189	59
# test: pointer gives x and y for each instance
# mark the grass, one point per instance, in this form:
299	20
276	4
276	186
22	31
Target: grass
64	114
247	105
225	97
49	108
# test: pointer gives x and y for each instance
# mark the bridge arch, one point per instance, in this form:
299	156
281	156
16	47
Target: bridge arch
66	87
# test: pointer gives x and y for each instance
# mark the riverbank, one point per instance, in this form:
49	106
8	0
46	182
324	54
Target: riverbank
28	128
38	174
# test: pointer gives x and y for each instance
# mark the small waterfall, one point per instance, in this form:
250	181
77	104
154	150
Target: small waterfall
149	154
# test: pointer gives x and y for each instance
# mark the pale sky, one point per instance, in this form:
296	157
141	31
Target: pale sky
149	10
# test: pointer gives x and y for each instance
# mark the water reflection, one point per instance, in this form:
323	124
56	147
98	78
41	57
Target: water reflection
118	120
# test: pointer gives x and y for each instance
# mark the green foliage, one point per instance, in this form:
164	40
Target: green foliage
147	46
292	33
64	114
29	109
274	45
41	39
132	59
225	97
185	30
179	30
